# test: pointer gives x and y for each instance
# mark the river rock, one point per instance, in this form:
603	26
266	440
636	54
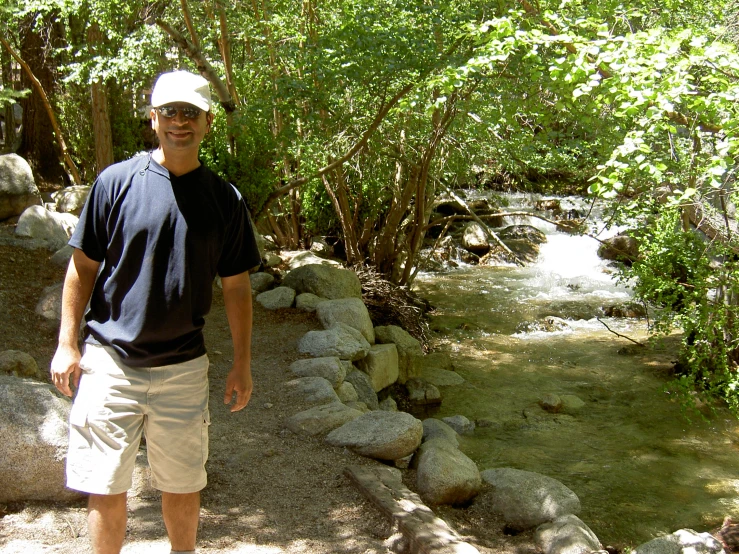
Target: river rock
49	305
422	393
526	499
381	364
621	248
330	368
261	281
322	419
567	535
684	541
625	309
351	311
308	302
389	404
341	340
314	391
18	190
71	200
380	435
571	404
33	442
442	377
277	298
363	387
347	392
474	238
19	364
436	429
306	257
324	281
548	205
551	403
53	228
409	350
445	475
460	424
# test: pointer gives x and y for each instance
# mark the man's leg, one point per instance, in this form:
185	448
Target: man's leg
106	521
181	516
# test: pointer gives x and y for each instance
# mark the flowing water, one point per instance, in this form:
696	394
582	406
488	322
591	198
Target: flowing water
639	467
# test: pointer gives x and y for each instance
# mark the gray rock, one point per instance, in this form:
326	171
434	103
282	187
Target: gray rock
341	340
347	393
389	404
330	368
18	190
460	424
566	535
526	499
33	442
475	239
351	311
422	393
357	405
278	298
62	256
442	377
314	391
621	248
380	435
49	305
437	429
320	247
324	281
303	258
71	200
571	403
551	403
271	260
363	387
322	419
445	475
409	350
53	228
684	541
261	281
308	302
381	364
19	364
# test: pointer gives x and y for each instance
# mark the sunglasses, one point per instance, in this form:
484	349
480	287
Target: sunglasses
190	112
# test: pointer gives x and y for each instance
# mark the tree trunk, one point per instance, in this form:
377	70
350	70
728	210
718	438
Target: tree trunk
100	115
38	146
9	136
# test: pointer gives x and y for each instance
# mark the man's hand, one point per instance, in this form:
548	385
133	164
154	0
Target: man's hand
238	382
65	369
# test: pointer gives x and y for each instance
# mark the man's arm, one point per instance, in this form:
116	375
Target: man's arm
237	298
78	284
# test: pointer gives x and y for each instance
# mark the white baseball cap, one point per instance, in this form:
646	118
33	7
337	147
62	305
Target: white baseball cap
181	86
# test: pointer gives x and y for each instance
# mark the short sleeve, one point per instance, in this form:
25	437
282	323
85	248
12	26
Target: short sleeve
240	252
91	233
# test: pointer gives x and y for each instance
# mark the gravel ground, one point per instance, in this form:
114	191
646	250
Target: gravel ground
269	491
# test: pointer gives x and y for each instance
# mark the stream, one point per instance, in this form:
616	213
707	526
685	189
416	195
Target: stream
638	465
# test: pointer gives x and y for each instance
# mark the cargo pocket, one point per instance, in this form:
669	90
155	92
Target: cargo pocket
204	435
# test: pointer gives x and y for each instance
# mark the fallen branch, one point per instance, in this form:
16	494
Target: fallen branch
636	342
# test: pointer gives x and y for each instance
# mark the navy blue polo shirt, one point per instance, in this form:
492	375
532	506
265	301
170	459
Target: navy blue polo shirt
161	240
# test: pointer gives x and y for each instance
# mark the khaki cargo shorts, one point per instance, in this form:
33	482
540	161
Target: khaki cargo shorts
116	403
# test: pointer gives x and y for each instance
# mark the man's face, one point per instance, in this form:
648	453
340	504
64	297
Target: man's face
179	132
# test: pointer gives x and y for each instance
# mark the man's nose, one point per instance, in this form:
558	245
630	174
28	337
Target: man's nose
179	117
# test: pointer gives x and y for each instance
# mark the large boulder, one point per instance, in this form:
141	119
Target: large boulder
567	535
351	311
445	475
437	429
314	391
277	298
306	257
409	350
475	239
261	281
341	340
684	541
330	368
324	281
526	499
322	419
381	364
33	441
53	228
71	200
380	435
621	248
364	389
18	190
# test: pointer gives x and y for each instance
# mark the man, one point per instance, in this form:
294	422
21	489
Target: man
155	232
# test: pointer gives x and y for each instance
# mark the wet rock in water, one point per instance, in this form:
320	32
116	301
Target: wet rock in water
474	238
549	324
571	403
526	499
551	403
621	248
627	309
422	393
460	424
442	377
567	535
684	541
527	233
450	207
548	205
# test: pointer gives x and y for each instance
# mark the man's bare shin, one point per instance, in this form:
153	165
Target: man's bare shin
106	521
181	516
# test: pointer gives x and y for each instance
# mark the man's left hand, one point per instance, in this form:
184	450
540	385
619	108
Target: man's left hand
238	382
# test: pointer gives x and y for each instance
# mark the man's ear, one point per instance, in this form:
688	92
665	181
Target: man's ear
152	115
